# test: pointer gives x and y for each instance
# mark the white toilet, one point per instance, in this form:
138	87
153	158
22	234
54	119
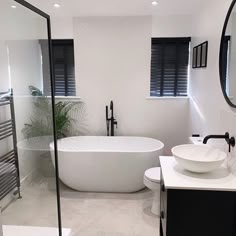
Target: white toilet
152	179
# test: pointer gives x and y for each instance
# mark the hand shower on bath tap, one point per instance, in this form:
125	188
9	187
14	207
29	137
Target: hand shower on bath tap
107	121
111	120
111	108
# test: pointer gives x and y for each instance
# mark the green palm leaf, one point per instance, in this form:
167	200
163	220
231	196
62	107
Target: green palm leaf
41	122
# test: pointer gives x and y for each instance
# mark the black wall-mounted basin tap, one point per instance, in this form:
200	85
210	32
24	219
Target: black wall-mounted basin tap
230	140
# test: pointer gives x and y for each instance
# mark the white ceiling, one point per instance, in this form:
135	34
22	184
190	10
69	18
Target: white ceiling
118	7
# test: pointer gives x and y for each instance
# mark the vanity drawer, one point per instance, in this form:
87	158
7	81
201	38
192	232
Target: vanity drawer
199	210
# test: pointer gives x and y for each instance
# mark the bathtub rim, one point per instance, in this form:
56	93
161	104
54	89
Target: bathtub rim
162	145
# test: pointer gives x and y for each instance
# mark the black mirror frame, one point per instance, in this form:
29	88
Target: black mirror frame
221	53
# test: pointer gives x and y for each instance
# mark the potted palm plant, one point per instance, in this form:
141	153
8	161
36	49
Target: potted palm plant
41	121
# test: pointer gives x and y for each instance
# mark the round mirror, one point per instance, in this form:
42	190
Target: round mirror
228	56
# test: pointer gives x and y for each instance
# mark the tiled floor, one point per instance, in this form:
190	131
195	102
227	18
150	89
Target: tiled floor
87	214
33	231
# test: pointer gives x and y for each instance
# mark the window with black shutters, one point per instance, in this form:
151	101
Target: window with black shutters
169	67
64	67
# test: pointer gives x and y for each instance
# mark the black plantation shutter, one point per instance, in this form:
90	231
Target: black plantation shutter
169	66
63	58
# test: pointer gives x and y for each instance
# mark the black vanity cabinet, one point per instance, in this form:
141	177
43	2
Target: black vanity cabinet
186	212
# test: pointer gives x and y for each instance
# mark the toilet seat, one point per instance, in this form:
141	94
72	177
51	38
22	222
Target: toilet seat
153	174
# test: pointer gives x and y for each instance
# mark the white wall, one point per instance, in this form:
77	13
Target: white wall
162	26
4	66
4	113
172	26
62	27
25	69
112	56
25	65
210	113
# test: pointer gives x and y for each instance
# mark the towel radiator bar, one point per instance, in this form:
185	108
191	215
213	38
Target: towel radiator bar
9	164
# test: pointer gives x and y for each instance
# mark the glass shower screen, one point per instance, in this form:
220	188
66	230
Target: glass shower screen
29	195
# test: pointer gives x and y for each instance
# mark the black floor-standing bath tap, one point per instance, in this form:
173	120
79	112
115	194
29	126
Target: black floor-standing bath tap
110	121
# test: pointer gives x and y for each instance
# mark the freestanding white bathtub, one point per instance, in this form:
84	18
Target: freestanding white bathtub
106	164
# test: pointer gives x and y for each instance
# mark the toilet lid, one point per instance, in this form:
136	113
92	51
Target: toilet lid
153	174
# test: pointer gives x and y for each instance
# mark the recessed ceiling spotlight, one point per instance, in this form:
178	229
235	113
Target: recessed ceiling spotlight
154	3
13	6
57	5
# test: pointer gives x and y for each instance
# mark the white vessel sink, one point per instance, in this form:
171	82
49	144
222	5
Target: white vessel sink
198	158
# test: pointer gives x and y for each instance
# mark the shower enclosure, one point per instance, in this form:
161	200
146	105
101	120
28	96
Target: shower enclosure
29	185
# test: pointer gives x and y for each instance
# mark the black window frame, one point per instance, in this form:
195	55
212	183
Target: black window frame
157	88
67	92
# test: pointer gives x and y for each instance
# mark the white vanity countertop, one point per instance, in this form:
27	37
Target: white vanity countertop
177	178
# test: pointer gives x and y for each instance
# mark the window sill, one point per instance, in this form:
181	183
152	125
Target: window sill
167	98
71	98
